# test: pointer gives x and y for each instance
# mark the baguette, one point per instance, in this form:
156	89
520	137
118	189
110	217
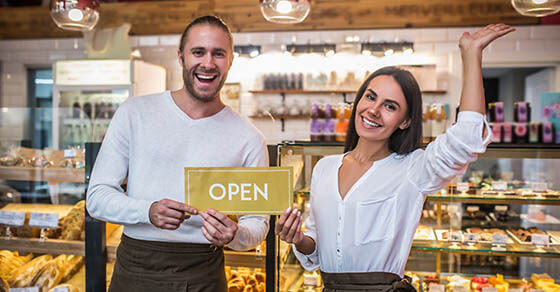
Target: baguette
23	276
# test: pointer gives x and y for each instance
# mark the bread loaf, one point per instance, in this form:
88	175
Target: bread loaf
71	267
4	286
23	276
49	276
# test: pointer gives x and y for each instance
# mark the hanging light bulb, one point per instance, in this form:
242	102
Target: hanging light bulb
536	8
285	11
80	15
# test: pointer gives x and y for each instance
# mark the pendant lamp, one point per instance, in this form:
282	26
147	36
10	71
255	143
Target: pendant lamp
285	11
79	15
536	8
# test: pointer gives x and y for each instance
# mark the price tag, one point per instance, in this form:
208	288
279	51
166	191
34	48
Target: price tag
499	239
472	237
15	219
460	289
455	236
539	187
530	290
26	289
60	289
436	287
515	290
43	220
501	208
462	187
539	239
499	185
70	153
473	208
489	289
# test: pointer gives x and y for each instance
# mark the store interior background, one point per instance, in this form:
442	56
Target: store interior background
532	50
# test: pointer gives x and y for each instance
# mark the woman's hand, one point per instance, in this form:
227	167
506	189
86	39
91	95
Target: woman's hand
476	42
288	226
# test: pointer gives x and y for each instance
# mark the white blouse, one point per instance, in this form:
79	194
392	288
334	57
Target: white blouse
371	230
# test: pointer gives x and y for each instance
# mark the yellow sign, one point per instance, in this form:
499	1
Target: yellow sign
239	190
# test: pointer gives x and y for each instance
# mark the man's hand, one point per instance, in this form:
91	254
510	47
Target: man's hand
218	228
169	214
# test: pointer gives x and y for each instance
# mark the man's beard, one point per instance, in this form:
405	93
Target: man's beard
188	80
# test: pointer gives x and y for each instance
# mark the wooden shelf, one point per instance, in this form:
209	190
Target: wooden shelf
50	174
51	246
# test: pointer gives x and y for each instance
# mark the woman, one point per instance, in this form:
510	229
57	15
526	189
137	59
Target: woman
366	203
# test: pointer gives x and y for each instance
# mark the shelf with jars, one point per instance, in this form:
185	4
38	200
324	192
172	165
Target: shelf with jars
472	231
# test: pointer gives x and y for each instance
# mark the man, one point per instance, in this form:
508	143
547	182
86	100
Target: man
151	139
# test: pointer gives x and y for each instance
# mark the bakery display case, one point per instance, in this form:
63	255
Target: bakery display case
41	208
496	226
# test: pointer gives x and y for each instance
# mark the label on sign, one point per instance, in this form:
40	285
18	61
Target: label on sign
539	239
489	289
499	185
60	289
501	208
239	190
499	239
460	289
515	290
473	208
462	186
43	220
455	236
436	287
9	218
472	237
539	187
70	153
26	289
530	290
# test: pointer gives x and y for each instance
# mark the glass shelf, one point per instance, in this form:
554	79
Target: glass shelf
486	249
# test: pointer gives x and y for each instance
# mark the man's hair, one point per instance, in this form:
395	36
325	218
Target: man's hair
207	20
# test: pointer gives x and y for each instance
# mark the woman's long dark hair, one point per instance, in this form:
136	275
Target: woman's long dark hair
401	141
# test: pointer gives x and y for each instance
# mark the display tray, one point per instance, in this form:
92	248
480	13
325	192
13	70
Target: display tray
50	174
552	240
440	237
424	233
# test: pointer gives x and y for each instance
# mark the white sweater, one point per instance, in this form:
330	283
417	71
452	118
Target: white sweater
371	230
151	141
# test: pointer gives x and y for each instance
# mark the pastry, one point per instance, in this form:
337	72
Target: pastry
49	275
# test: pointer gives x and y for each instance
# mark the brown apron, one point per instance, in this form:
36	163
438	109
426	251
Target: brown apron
151	266
365	282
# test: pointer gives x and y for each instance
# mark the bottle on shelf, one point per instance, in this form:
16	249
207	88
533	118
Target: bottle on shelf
76	109
317	123
438	119
330	124
88	110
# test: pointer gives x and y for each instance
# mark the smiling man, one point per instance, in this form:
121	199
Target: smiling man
167	245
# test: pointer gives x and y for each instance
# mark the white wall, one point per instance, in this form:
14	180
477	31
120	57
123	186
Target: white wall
529	45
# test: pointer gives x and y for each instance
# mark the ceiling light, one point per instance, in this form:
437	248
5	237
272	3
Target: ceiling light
327	49
246	50
285	11
536	8
80	15
386	48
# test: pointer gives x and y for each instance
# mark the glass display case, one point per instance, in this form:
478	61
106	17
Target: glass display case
41	208
497	226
